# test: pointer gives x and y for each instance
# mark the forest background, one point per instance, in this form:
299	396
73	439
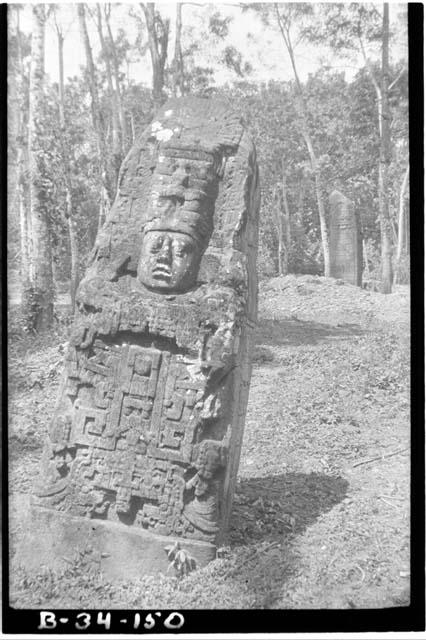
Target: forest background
323	88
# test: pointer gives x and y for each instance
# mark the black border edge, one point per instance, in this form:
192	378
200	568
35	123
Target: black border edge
225	621
411	618
416	136
3	250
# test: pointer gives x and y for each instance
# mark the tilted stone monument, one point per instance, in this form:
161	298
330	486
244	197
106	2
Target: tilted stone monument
345	240
143	449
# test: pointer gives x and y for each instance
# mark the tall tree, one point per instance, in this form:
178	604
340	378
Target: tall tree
402	228
112	97
18	197
105	199
384	127
286	17
177	63
116	71
39	297
347	28
285	225
65	157
15	75
158	38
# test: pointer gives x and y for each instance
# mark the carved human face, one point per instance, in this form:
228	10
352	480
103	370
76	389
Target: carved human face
183	191
169	261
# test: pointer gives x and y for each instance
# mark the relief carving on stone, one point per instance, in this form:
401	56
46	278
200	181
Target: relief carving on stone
148	425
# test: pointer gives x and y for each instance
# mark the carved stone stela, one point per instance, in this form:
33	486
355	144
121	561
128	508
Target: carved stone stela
345	240
147	431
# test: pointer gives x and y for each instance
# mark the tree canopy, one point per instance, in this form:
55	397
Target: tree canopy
316	129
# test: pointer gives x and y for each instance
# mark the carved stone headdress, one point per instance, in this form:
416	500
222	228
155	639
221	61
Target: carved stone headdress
186	179
198	131
214	208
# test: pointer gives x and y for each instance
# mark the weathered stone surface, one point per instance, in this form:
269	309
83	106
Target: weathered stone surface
112	548
146	436
345	240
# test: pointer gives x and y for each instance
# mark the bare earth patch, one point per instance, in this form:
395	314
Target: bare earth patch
321	512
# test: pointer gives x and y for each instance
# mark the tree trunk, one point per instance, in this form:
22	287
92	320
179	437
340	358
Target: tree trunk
14	120
407	234
299	212
41	276
280	242
401	223
25	236
116	69
177	65
132	127
278	220
74	250
105	199
95	110
17	187
285	213
365	258
158	37
318	192
115	109
385	224
301	109
72	233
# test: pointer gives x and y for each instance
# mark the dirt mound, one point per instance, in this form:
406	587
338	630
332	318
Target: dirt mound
306	297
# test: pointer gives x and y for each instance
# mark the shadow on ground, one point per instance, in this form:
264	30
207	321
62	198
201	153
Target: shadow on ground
268	515
299	332
268	509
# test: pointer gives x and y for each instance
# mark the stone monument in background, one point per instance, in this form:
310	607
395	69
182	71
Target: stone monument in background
345	240
143	449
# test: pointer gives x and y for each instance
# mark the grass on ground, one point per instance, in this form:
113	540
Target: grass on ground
321	512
